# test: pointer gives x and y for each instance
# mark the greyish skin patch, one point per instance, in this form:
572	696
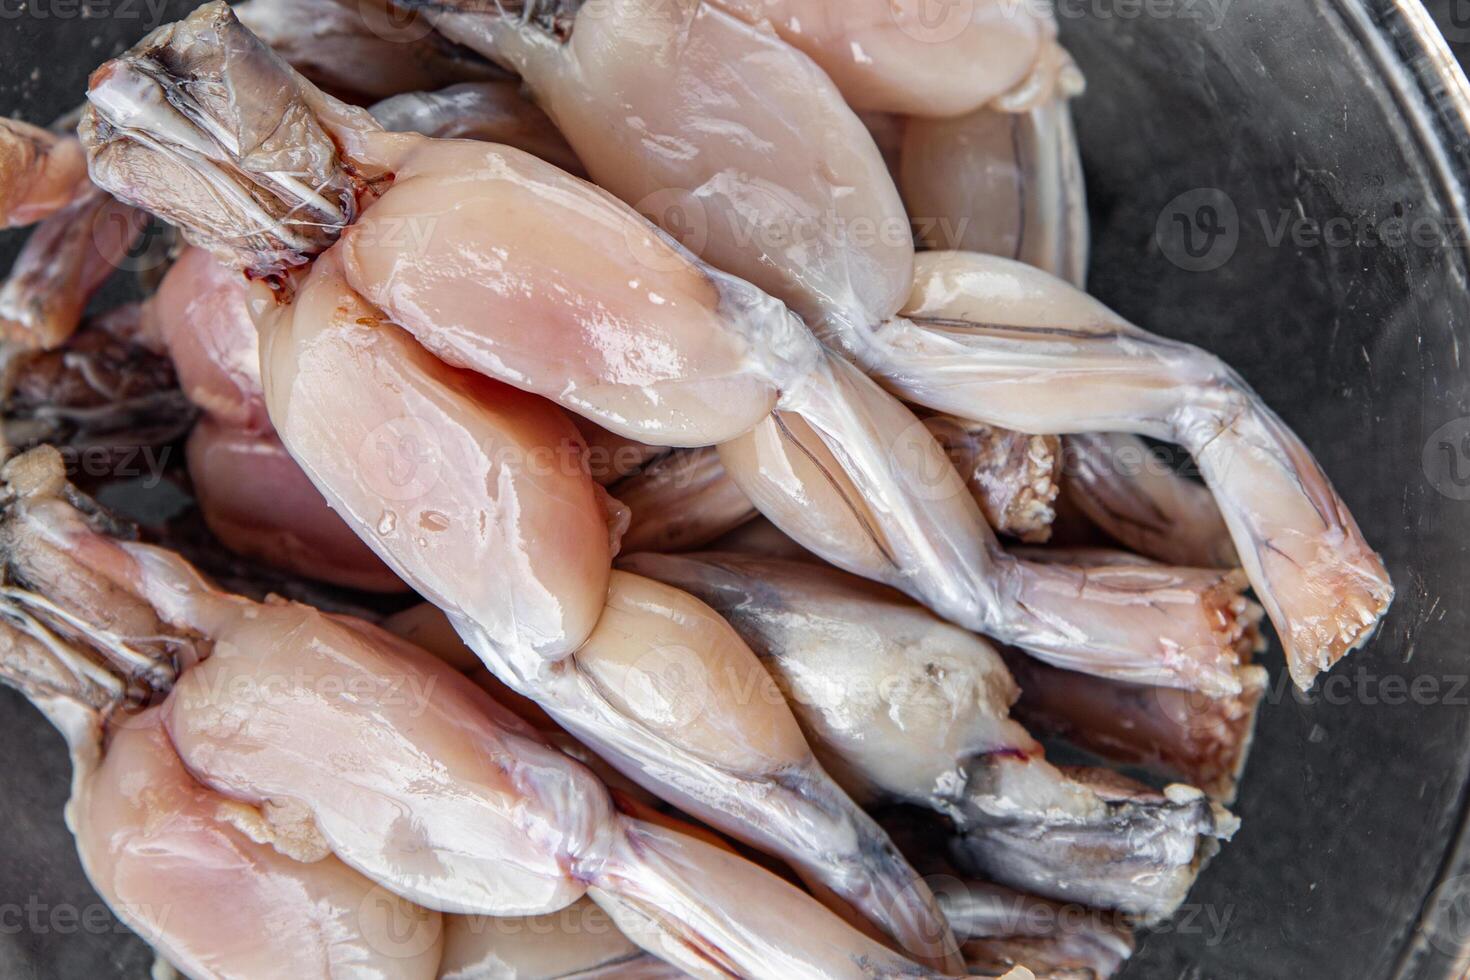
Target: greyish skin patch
904	708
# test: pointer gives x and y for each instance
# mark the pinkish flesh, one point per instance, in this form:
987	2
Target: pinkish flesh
1001	183
441	471
1176	627
495	261
40	172
260	505
725	136
347	740
485	458
504	195
298	711
64	262
252	494
177	862
906	56
681	501
905	707
200	317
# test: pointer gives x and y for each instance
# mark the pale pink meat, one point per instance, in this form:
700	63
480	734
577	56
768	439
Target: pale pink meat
259	504
40	172
338	738
252	494
179	865
912	56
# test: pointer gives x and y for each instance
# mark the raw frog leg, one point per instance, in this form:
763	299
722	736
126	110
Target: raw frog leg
906	708
346	740
252	495
193	872
1018	348
1010	184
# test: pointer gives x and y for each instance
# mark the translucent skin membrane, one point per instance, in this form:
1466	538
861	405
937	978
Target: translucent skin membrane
903	57
493	112
343	739
1020	349
1010	184
40	172
359	49
904	707
65	260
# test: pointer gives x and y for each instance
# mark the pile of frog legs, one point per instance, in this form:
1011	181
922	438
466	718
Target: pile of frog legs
658	489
